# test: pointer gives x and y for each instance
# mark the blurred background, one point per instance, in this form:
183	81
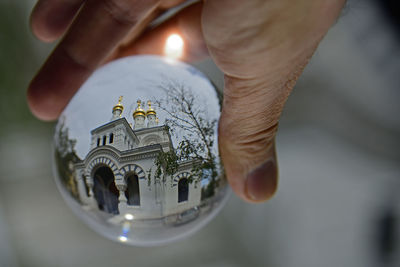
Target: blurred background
338	148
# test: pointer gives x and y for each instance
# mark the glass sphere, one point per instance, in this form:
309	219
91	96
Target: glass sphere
136	151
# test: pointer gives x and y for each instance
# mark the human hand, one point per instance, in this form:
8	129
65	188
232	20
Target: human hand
261	46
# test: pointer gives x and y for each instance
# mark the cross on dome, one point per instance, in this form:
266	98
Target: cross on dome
150	110
139	111
119	106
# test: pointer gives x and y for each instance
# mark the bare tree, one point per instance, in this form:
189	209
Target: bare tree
188	120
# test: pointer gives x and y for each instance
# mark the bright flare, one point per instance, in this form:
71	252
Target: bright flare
129	217
174	46
123	238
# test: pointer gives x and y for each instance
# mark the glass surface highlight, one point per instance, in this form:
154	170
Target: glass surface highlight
136	151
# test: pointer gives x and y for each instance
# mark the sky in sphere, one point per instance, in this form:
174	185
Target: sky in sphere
137	77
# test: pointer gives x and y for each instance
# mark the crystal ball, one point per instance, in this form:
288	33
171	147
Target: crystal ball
136	151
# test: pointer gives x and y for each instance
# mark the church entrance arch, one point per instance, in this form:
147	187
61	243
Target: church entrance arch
132	191
104	189
183	190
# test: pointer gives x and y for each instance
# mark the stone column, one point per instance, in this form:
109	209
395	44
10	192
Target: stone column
89	182
92	201
122	201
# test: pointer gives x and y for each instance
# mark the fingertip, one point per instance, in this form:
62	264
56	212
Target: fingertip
258	186
236	182
44	36
262	182
41	104
55	84
251	167
49	20
39	26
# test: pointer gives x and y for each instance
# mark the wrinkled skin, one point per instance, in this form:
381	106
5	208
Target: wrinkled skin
261	46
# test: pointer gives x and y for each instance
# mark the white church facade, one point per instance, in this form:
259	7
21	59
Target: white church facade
117	175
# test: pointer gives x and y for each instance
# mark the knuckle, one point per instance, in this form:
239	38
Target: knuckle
127	12
251	142
257	89
250	116
80	62
119	12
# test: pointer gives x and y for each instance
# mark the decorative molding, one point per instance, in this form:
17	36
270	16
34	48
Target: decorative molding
132	168
101	160
178	177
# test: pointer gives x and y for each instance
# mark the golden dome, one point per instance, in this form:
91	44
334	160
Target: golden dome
119	106
139	111
150	110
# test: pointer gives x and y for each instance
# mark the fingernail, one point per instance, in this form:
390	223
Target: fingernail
261	182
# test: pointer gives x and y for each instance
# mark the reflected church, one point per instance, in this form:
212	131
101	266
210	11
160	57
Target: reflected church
117	174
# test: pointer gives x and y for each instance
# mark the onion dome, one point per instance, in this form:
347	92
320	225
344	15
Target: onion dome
150	110
139	111
119	106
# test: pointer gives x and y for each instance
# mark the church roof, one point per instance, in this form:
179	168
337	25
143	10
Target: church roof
114	123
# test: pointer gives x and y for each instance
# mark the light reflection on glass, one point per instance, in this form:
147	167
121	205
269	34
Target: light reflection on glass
123	239
129	217
174	46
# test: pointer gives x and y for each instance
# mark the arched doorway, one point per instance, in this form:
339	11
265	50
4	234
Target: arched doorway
105	191
183	190
132	192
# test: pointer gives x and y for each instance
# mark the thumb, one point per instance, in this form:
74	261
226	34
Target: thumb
262	55
247	129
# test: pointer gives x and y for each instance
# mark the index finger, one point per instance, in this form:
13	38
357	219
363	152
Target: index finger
99	27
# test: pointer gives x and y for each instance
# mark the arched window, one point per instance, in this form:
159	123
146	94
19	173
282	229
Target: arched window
132	192
183	190
111	138
105	191
104	140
